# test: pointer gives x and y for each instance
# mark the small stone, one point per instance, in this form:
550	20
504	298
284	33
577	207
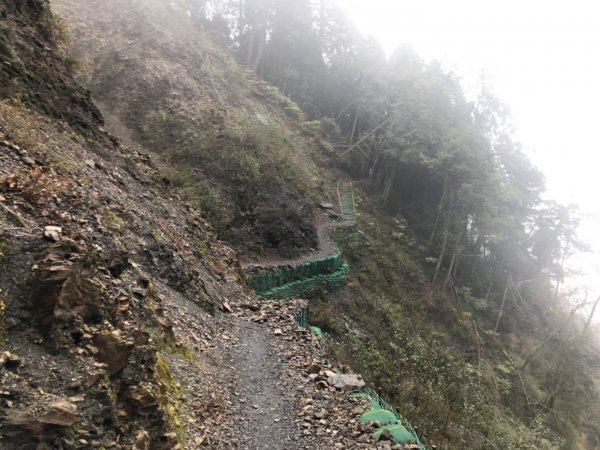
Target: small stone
326	205
140	292
278	332
93	350
347	382
10	360
363	438
28	160
53	233
61	412
314	369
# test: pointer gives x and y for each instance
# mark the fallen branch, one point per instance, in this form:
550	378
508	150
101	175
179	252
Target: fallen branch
364	137
26	223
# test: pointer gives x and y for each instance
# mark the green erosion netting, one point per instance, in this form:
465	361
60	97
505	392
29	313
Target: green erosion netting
288	282
279	283
383	416
302	317
316	331
401	432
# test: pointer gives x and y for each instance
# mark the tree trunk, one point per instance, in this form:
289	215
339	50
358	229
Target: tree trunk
388	187
452	262
439	210
250	49
442	254
503	303
440	257
258	56
240	23
560	276
591	316
354	127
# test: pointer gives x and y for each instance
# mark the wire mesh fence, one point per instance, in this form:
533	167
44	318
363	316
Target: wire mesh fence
293	281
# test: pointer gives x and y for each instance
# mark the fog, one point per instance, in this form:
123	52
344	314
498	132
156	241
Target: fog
541	58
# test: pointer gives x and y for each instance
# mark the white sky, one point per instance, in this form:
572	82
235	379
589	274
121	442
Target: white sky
542	59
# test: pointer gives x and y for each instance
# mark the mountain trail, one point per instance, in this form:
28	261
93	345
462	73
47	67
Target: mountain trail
267	407
257	380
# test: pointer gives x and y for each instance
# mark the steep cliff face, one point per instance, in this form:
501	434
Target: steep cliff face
94	248
35	67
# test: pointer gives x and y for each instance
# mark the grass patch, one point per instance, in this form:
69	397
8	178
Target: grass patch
61	149
252	156
169	398
169	344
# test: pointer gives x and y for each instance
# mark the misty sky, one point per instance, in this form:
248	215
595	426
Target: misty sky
542	59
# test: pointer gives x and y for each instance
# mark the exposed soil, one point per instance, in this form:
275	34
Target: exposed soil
163	85
257	382
124	321
35	68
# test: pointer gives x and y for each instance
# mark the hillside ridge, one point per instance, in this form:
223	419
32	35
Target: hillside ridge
124	320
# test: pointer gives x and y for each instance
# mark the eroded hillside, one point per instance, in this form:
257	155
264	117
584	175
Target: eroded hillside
237	142
462	352
124	323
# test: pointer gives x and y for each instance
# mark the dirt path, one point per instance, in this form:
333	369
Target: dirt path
326	247
268	410
256	381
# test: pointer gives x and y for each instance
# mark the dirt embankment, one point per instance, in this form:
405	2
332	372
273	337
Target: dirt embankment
93	244
35	66
124	323
161	83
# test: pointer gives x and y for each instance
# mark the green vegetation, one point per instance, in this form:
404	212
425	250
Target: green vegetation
158	235
453	307
169	344
169	397
457	280
253	156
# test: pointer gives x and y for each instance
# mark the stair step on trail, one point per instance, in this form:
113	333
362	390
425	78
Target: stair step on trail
346	199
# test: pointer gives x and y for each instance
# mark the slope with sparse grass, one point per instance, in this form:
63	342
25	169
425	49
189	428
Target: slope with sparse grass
238	147
243	154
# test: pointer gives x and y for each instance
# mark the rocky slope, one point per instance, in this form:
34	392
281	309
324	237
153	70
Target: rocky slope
124	322
161	82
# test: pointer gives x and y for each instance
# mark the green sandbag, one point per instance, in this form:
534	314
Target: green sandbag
400	435
383	416
316	331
